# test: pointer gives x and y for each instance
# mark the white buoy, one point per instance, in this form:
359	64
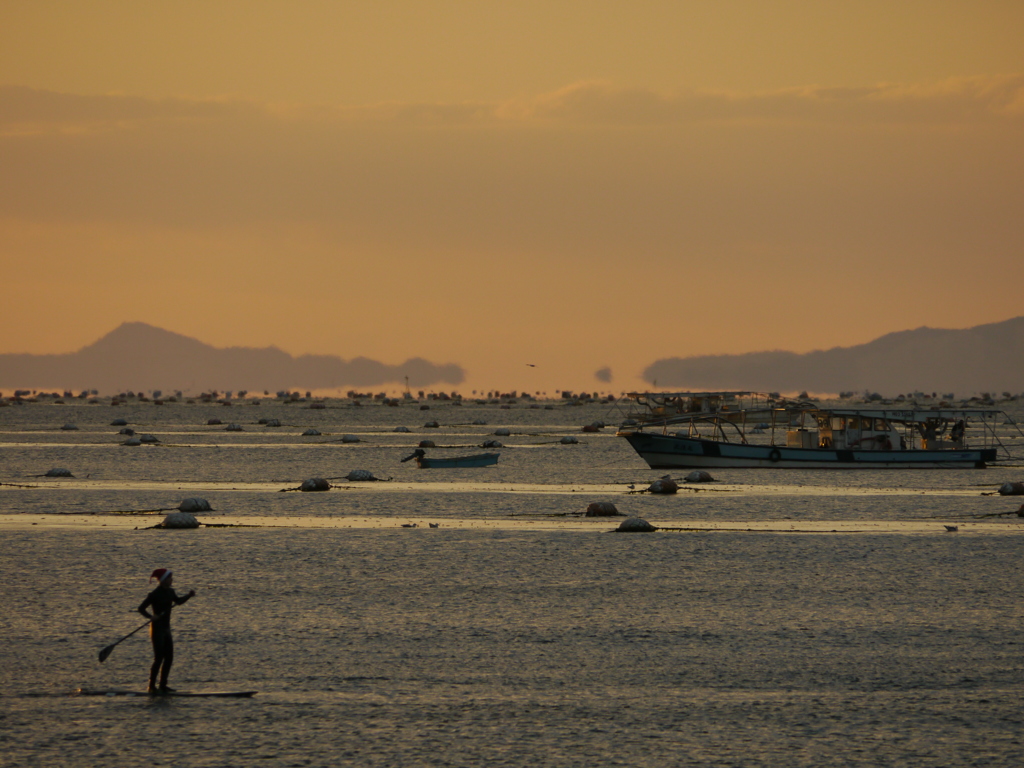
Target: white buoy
180	520
601	509
665	485
195	504
360	475
635	525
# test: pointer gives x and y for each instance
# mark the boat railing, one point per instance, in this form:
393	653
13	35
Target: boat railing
991	436
661	409
718	423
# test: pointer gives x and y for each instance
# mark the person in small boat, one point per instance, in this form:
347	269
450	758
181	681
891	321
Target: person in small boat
161	600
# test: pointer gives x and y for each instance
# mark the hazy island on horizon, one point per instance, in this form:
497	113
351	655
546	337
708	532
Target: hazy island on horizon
985	358
138	356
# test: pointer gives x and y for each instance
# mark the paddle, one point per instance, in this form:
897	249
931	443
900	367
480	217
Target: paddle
104	653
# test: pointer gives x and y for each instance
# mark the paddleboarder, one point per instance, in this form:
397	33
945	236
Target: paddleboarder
161	600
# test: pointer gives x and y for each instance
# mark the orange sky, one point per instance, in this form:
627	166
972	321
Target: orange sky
574	185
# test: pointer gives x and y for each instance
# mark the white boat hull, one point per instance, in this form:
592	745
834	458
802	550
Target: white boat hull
672	452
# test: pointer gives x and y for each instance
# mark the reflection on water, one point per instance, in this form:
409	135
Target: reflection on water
513	633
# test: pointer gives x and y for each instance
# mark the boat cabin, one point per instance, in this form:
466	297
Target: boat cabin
851	432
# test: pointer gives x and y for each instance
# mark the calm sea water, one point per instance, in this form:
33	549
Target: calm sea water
513	634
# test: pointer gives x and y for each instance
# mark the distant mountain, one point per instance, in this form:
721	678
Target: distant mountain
984	358
140	357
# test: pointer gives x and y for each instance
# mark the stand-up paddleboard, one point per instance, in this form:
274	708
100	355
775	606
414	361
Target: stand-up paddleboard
178	694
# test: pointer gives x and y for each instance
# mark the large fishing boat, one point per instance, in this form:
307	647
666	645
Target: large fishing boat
684	430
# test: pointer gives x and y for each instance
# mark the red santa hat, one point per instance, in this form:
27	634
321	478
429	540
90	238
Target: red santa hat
160	574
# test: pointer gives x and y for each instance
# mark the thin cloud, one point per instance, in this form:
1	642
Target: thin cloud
953	101
34	111
597	103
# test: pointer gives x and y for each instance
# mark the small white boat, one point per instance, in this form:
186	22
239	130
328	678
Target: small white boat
476	460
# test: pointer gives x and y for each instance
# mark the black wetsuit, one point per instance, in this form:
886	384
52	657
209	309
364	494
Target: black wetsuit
161	600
